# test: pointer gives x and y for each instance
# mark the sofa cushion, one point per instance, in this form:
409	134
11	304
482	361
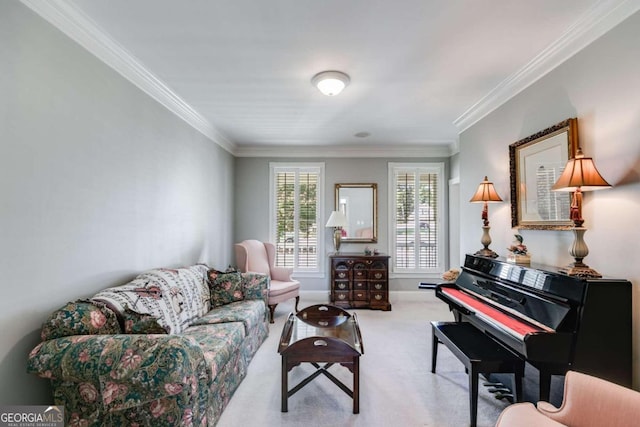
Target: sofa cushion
226	287
136	323
175	297
249	312
255	286
82	317
219	342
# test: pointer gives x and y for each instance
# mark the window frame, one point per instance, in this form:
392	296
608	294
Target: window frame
297	167
442	222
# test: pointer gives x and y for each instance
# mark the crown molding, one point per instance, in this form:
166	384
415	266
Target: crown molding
360	151
594	23
75	24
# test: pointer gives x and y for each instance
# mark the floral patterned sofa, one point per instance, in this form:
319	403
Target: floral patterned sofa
168	348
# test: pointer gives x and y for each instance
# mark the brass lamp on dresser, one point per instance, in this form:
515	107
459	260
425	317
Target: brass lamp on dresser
360	281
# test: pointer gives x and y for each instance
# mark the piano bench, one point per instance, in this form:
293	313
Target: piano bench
479	354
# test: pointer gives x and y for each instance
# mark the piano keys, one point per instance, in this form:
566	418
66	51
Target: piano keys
553	321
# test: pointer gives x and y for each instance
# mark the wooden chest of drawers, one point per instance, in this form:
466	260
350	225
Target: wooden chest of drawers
360	281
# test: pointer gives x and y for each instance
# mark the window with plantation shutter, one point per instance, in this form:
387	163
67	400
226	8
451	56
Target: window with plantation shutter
295	206
417	223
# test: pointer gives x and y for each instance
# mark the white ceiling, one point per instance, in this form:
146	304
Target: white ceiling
240	70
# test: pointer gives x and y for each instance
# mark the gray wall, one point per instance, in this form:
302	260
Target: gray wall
252	209
98	182
601	87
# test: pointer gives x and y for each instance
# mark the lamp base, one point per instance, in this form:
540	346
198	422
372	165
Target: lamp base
579	251
580	269
486	241
337	239
487	252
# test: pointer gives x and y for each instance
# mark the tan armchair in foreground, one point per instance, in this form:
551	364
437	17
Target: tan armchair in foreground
259	257
588	402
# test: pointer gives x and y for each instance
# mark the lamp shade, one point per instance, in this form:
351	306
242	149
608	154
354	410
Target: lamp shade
580	172
337	219
485	193
330	83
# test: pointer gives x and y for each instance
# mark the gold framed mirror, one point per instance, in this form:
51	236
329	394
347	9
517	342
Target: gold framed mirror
359	204
536	163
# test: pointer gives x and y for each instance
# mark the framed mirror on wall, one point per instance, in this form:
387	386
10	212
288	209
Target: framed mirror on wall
536	163
359	204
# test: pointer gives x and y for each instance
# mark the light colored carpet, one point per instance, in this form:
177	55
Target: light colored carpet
396	384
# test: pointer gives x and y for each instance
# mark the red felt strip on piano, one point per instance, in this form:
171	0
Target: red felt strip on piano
497	315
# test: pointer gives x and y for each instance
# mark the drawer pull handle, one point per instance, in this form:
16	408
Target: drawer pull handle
341	297
323	323
378	275
320	343
378	286
378	297
342	286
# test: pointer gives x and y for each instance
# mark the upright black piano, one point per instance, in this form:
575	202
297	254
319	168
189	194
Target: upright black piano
554	321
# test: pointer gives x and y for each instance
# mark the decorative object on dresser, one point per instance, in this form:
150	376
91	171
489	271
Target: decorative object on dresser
580	174
360	281
486	193
337	221
535	163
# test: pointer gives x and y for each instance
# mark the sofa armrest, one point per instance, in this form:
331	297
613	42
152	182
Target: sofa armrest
117	377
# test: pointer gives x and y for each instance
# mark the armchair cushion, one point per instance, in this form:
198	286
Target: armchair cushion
279	288
525	415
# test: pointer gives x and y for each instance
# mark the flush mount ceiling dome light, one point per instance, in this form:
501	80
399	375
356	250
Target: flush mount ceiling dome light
330	83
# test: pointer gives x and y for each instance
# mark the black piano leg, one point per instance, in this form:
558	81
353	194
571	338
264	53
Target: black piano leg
473	396
434	351
517	379
545	384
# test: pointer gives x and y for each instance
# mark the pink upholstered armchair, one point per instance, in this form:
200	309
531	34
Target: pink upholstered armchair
259	257
588	402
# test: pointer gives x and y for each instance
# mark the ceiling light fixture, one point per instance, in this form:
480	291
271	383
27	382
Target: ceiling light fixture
330	83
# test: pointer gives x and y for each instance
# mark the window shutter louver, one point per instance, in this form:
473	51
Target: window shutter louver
416	225
296	196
